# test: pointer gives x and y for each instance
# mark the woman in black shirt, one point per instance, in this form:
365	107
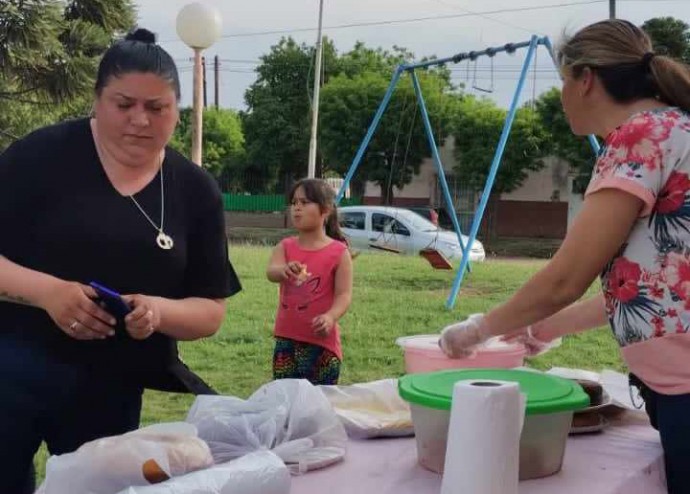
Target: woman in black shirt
103	199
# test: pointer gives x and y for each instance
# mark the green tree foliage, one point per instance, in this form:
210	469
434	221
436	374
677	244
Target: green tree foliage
476	127
561	141
49	51
223	143
399	145
362	59
670	37
277	120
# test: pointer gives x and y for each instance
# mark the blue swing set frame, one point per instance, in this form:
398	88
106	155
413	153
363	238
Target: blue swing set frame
531	45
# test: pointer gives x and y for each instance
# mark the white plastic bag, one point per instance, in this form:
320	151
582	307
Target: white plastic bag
289	416
140	457
260	472
372	409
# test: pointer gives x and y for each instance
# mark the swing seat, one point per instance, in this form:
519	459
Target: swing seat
436	259
385	248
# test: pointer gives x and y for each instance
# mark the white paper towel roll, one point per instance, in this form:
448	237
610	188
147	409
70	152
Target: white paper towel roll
482	456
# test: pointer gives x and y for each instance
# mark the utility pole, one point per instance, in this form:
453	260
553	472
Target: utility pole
216	77
203	71
612	9
311	168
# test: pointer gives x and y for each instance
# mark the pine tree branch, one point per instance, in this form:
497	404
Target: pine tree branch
10	94
26	101
11	136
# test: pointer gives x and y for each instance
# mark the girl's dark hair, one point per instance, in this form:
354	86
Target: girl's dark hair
321	193
621	54
137	52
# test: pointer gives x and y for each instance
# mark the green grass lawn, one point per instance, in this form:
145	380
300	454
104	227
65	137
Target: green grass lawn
393	296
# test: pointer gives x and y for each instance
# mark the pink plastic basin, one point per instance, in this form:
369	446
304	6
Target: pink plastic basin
422	354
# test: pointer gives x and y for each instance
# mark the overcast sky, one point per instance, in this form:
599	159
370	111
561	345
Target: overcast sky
453	28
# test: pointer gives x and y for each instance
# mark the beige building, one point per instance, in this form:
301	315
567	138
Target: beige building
542	207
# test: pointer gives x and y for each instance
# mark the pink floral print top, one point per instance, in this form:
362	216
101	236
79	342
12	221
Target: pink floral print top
647	284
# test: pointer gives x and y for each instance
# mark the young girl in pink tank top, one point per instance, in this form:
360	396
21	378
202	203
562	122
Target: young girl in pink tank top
314	270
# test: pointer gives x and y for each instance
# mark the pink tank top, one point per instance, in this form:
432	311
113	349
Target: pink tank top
302	300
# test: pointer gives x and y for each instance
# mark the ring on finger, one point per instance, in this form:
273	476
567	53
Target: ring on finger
74	325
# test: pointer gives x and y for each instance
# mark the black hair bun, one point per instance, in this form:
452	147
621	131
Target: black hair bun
141	34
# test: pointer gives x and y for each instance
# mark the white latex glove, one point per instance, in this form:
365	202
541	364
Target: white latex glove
534	344
458	340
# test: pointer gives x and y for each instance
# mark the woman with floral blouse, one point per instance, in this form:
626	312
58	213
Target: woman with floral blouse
633	230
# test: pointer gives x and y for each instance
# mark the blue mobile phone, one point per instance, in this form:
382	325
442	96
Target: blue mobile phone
112	301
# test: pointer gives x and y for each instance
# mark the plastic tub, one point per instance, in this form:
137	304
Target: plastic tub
551	402
422	354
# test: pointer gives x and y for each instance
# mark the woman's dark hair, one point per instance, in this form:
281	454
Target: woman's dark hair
320	192
621	54
137	52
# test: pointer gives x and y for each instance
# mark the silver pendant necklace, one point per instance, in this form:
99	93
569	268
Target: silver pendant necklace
163	240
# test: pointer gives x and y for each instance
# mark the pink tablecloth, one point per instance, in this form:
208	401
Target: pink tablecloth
626	458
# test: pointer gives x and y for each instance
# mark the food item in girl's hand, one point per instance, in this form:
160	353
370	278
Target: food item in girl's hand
303	275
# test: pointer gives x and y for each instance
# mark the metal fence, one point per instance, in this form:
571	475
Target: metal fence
266	203
465	199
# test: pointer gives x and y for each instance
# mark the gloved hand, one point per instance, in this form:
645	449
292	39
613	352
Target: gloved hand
458	340
535	342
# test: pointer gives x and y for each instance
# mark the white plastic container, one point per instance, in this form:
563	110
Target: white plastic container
542	443
551	402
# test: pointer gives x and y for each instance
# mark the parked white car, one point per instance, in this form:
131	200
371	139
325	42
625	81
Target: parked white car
398	229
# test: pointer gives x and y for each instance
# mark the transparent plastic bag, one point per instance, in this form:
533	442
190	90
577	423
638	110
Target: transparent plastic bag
291	417
148	455
261	472
372	409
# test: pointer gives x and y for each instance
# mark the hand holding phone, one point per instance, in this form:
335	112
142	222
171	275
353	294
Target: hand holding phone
112	301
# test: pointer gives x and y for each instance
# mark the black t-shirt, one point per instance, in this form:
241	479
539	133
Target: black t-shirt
60	214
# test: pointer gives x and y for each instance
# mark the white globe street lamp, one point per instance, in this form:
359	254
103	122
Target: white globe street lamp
199	26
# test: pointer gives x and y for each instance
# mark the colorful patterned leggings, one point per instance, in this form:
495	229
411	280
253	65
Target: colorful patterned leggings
297	360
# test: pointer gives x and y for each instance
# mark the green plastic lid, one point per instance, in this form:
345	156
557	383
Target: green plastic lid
545	393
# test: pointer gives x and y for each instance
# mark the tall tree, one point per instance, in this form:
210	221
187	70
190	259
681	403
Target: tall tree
362	59
477	126
561	141
49	50
670	36
223	144
399	145
276	122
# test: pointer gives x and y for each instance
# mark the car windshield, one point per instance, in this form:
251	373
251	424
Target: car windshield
416	221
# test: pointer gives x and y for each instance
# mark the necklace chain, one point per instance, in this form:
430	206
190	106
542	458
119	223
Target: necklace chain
163	240
159	229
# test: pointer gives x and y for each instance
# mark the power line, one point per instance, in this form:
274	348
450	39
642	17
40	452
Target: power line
404	21
479	14
496	68
243	65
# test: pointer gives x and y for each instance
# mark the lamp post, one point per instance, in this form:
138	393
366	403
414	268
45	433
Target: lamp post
199	26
